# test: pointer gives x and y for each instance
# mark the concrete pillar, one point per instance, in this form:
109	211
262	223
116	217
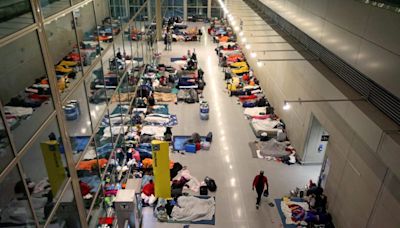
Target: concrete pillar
149	16
127	10
209	8
185	10
158	20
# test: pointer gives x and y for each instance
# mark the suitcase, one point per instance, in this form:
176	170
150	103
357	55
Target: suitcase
190	148
209	137
203	190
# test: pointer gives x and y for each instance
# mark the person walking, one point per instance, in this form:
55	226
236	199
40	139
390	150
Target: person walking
258	183
199	34
166	41
169	41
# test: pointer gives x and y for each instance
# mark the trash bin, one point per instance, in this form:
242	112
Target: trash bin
204	110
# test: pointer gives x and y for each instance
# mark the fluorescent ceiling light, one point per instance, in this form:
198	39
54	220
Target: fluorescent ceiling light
286	105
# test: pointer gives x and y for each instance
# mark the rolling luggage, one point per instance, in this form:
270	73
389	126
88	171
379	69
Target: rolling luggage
209	137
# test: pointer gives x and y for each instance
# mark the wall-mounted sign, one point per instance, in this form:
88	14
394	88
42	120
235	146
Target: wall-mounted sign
324	138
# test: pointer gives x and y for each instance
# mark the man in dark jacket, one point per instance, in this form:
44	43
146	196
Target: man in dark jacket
259	181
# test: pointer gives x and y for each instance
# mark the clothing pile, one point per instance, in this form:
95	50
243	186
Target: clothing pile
307	207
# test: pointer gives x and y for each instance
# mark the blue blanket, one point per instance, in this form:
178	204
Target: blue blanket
162	109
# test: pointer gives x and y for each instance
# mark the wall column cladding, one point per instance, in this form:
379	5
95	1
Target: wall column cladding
209	8
364	144
185	10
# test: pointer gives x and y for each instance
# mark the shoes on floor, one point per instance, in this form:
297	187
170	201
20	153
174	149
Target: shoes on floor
271	204
257	206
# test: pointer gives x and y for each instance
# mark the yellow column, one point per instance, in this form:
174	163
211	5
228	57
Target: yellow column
55	169
161	169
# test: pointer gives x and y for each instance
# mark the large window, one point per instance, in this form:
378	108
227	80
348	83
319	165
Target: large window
24	88
14	15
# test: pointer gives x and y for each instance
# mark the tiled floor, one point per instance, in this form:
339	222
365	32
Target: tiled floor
229	160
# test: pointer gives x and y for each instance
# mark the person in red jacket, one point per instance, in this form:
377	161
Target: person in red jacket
259	182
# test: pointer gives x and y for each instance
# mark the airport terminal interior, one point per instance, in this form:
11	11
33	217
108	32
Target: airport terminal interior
200	113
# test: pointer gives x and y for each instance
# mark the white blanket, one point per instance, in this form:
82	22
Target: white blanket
264	125
18	111
114	131
193	209
256	111
155	119
157	131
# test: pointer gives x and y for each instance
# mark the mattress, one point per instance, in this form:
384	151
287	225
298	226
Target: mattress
256	111
267	125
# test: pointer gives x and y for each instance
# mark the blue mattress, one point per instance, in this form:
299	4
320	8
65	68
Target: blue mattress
178	141
78	143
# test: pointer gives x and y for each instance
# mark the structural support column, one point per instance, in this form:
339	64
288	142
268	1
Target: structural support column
185	9
209	8
149	16
127	9
158	20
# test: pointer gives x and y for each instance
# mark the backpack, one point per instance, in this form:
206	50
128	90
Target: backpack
190	100
209	137
212	186
203	190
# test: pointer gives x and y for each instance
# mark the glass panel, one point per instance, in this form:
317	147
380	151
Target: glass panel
50	7
103	142
63	47
77	116
202	3
216	12
86	29
14	206
102	11
6	153
202	13
25	91
191	2
214	3
178	3
76	1
97	94
192	12
45	164
89	178
99	211
14	15
67	212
